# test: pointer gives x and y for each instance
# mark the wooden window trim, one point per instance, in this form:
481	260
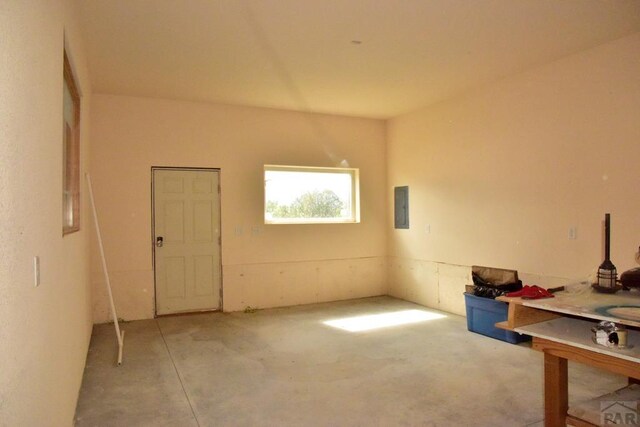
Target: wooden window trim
71	166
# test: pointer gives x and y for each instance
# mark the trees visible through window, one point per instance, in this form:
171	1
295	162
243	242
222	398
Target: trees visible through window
295	195
70	152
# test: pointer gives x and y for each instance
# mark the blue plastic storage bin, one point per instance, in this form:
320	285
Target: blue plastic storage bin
484	313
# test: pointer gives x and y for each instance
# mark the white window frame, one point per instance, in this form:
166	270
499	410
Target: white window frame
355	195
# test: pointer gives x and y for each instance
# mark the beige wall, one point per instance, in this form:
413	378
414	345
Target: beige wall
267	265
44	331
501	174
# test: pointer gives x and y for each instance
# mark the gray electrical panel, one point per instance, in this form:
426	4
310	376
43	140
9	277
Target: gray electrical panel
401	207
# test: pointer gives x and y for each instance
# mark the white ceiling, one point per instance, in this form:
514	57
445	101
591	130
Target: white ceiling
301	54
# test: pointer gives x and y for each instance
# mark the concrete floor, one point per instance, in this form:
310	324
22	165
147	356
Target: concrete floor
285	367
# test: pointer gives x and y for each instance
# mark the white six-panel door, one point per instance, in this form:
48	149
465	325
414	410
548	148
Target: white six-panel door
187	240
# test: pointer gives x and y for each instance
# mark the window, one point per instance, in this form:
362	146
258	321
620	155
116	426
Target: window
70	153
310	195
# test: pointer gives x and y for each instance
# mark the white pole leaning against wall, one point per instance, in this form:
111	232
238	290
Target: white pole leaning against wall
119	334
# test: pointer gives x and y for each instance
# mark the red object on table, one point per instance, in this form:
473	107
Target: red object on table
531	292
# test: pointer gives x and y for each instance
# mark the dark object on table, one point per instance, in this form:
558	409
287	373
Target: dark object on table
631	278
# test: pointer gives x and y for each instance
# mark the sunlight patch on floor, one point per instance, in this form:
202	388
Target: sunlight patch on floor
384	320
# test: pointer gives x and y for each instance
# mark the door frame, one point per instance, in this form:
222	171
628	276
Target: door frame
153	234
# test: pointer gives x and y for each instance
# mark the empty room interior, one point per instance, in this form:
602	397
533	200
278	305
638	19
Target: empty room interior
290	208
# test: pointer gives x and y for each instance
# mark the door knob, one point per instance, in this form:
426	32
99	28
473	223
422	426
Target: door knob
159	241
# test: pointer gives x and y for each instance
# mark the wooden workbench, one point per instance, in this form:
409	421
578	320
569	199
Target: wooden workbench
561	329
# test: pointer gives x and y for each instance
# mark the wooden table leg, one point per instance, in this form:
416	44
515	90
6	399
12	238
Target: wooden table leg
556	391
